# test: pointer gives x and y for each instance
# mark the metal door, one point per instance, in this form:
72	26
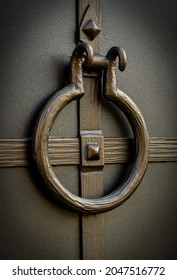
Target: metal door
37	40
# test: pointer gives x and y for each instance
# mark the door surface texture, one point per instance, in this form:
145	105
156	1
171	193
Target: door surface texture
37	40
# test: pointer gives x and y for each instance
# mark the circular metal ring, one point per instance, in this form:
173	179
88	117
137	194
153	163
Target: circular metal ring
40	147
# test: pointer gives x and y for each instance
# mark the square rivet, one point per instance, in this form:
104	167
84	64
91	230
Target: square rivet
93	151
92	148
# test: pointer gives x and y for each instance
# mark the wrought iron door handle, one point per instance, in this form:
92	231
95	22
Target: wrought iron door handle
75	91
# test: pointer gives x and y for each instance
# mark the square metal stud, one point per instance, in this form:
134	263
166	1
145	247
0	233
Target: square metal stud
93	151
91	29
92	148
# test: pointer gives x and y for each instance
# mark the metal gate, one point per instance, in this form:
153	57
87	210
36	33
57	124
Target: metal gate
88	143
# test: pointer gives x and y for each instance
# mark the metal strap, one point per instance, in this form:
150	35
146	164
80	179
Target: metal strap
66	151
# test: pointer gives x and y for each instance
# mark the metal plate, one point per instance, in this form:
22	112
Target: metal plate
33	66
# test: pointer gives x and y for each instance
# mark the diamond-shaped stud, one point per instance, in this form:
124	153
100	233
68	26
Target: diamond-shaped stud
91	29
93	151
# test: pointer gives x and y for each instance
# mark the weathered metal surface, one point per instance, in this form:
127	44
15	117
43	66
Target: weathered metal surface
157	189
91	181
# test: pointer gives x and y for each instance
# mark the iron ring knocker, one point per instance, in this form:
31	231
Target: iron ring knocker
75	91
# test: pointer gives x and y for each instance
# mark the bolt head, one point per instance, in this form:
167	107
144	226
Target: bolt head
93	151
91	29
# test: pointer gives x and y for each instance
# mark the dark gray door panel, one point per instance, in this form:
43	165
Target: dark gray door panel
37	40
